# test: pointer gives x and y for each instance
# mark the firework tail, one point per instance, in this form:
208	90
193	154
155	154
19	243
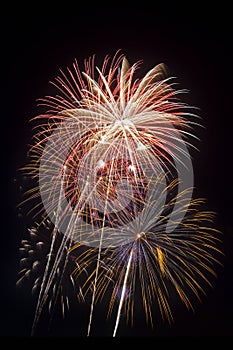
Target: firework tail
123	293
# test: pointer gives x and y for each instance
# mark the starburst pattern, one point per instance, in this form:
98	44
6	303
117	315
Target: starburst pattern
114	176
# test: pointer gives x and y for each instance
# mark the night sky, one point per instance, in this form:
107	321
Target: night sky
195	43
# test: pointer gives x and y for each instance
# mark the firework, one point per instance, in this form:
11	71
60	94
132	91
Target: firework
105	160
34	252
161	263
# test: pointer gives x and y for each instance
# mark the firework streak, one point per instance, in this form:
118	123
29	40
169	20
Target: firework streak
114	190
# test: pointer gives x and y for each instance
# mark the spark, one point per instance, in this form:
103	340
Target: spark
107	154
101	163
180	262
123	294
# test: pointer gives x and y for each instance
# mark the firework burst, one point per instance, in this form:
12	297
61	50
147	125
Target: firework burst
106	159
161	263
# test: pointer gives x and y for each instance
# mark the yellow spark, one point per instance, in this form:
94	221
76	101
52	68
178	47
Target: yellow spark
161	260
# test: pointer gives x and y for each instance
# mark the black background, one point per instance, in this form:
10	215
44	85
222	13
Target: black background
195	42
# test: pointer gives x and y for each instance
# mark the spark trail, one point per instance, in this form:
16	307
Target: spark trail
111	160
123	294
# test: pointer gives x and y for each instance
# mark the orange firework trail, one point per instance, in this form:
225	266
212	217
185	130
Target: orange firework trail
115	176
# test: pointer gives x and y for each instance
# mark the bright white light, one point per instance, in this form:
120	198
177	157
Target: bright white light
131	167
140	235
101	163
125	123
141	147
